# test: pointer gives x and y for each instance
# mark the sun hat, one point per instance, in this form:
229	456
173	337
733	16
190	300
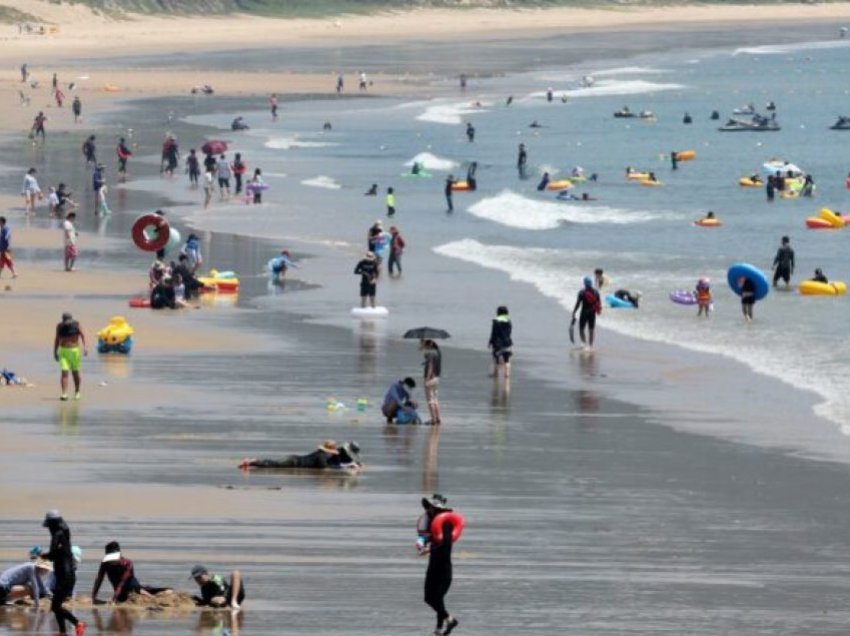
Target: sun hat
436	501
198	570
329	446
53	515
352	449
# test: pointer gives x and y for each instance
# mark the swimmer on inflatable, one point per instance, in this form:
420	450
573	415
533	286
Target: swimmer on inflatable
629	297
566	195
327	456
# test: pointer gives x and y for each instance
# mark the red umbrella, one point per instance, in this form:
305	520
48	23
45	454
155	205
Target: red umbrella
214	147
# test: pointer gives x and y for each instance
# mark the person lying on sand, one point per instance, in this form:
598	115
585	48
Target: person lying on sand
327	456
121	574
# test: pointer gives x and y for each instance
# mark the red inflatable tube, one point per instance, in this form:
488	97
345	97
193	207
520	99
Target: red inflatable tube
150	232
453	518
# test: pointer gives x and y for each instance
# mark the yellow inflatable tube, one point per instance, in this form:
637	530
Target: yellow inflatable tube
638	175
647	182
563	184
686	155
747	182
835	220
116	332
814	288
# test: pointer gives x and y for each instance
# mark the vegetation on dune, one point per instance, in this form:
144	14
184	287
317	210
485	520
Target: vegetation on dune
11	15
318	8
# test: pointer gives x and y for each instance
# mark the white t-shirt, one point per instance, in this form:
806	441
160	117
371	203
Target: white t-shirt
208	181
31	185
53	200
70	233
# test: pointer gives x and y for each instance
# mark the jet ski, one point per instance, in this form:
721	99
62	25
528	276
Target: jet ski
757	124
624	112
749	109
843	123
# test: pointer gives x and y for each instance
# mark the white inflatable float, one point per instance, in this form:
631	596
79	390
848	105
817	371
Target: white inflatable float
370	312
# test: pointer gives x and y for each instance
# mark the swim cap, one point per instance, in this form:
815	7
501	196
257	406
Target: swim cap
588	281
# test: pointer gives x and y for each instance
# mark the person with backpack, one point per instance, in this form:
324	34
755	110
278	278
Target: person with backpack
397	245
590	304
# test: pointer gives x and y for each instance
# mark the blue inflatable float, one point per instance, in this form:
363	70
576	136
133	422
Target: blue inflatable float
618	303
744	270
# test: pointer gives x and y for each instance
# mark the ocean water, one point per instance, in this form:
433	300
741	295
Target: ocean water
643	237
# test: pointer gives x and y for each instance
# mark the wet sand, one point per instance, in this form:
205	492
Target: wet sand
586	515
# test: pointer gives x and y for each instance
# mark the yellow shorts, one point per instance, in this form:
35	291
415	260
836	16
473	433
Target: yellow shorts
70	358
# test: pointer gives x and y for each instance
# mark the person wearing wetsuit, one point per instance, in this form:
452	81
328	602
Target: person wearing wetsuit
450	181
327	456
66	351
470	176
64	571
590	304
121	575
783	262
368	271
470	132
438	576
500	342
521	161
544	182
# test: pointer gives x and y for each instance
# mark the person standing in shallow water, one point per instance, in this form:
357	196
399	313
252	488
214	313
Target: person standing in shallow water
522	161
500	343
433	366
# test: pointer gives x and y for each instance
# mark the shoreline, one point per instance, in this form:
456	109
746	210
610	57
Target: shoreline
580	495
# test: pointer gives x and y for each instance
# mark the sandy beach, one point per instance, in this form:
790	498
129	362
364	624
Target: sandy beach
587	514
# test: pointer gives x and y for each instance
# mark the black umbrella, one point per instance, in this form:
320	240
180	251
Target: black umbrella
427	333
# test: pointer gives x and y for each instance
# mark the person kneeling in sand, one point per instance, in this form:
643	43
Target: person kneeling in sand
25	581
121	574
164	295
398	405
215	591
327	456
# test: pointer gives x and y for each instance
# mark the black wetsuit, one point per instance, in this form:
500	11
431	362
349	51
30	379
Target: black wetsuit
64	571
368	270
784	264
448	191
521	161
500	339
589	300
317	460
438	577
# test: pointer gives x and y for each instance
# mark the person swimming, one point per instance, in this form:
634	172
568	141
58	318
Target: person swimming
372	192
